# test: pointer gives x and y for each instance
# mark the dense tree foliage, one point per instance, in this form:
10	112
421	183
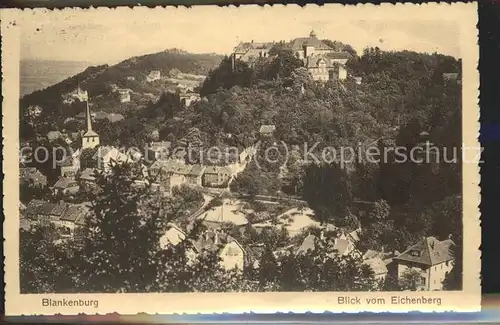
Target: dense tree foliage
119	251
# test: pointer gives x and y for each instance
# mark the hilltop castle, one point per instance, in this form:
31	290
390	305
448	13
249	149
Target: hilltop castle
320	59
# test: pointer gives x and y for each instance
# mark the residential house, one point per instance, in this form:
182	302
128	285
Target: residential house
73	217
216	176
158	150
232	254
179	174
342	245
24	223
322	68
45	212
188	98
308	244
31	175
114	117
378	267
386	257
109	155
153	76
34	111
114	87
267	130
54	136
169	173
173	236
223	156
320	59
88	179
66	186
81	116
251	51
195	175
124	95
254	254
88	175
429	257
70	165
99	116
134	154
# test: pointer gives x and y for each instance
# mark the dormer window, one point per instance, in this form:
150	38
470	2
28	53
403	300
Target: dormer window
415	253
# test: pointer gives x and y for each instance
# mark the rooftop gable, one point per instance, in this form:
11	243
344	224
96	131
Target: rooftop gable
429	251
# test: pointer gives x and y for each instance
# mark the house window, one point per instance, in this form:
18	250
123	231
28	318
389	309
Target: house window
415	253
441	266
422	281
232	252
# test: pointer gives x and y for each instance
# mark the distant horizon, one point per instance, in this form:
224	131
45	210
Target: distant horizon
92	35
205	53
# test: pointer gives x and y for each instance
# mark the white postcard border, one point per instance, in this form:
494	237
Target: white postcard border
169	303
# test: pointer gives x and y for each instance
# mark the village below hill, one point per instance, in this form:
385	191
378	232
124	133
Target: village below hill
162	160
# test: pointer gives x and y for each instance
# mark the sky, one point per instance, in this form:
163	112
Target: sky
106	35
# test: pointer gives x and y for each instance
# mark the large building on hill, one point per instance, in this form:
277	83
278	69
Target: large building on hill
321	60
250	51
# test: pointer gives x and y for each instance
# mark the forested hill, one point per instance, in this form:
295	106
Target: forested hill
98	79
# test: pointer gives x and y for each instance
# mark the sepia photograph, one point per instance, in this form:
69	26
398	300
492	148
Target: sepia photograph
162	153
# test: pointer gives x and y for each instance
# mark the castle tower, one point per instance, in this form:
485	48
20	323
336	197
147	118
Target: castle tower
90	139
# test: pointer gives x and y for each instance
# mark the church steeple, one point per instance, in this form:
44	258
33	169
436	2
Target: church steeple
89	117
90	139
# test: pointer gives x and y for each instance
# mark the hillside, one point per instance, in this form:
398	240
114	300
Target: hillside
98	80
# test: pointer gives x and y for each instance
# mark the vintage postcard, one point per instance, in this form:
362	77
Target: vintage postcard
251	159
